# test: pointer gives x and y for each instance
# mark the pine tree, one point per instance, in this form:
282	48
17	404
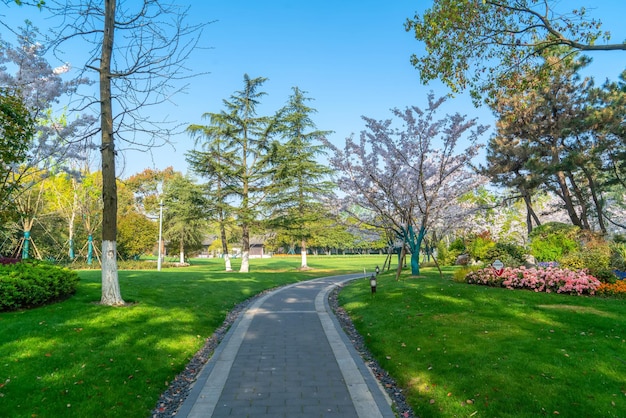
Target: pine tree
300	180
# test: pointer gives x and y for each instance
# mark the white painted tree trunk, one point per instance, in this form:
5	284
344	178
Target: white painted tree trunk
303	252
111	294
182	252
245	262
227	265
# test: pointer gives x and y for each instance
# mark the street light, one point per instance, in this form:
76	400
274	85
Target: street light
160	234
373	284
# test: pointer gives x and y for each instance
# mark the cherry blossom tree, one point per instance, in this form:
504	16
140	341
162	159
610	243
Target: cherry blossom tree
55	139
409	177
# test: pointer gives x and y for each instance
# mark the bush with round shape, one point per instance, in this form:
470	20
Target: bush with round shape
479	245
510	254
553	240
594	255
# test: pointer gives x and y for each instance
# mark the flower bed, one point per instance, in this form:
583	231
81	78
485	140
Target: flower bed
548	280
617	289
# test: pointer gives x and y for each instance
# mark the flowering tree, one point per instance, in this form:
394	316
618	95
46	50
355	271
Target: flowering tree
54	140
407	178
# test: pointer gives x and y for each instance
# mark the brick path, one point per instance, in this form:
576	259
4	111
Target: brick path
286	356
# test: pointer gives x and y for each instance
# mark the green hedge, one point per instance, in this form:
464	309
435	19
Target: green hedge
34	283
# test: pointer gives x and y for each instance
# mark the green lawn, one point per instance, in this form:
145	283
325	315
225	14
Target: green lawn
458	350
465	350
80	359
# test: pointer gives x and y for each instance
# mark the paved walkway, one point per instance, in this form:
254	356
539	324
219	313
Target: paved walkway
286	356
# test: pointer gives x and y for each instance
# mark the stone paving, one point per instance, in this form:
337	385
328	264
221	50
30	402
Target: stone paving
286	356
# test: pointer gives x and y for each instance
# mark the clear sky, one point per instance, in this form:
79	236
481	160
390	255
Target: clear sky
351	56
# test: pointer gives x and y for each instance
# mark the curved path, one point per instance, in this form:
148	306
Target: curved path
286	356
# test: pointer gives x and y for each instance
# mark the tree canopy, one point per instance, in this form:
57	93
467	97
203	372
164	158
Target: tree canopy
497	37
300	181
406	178
17	128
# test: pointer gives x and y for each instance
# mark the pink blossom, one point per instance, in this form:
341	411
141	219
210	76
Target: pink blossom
547	280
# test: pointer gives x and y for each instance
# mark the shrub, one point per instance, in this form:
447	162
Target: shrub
457	245
551	241
479	245
618	256
460	274
540	280
447	256
510	254
34	283
593	255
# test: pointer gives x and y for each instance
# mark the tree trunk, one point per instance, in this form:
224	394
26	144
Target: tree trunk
181	252
564	189
110	285
596	201
584	217
415	243
26	245
72	252
303	264
227	265
111	294
245	251
89	249
530	212
401	256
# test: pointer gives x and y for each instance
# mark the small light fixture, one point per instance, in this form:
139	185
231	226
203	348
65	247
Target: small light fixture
377	270
373	283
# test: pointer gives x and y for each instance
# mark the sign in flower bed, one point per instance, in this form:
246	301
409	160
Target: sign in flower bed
548	280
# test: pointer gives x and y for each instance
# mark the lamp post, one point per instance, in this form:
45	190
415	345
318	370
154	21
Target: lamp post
160	234
373	284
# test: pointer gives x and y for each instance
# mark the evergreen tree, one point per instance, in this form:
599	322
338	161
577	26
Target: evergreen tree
300	181
246	139
184	220
214	163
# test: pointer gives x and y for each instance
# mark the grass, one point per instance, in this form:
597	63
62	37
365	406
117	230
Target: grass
80	359
462	350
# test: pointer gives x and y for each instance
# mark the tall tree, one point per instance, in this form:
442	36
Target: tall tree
138	51
148	187
607	125
506	166
28	77
214	163
496	36
63	193
246	145
301	182
184	221
406	177
544	138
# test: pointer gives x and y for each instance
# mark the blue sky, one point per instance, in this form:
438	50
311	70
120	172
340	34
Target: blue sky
352	57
